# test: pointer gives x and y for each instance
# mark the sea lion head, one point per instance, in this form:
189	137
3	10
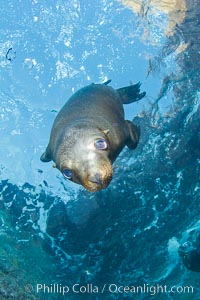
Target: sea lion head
82	156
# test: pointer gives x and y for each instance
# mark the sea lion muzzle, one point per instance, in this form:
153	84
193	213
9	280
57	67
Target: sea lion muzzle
100	178
96	179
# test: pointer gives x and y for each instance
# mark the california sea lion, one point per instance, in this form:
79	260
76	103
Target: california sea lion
90	131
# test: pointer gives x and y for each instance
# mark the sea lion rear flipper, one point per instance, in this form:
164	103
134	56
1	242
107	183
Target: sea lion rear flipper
46	156
131	93
134	135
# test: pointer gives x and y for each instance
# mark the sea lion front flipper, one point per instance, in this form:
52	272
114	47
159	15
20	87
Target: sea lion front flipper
134	135
107	82
131	93
46	156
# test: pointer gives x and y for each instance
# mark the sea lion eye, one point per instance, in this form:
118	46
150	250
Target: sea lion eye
101	144
67	173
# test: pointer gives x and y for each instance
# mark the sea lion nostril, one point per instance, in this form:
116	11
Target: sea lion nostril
96	179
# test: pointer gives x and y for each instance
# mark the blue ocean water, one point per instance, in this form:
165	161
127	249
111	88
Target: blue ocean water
55	236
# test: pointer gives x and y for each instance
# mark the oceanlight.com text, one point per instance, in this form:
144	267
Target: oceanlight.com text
111	288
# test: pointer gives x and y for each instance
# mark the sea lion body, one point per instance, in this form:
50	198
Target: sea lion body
90	131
